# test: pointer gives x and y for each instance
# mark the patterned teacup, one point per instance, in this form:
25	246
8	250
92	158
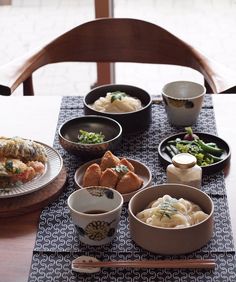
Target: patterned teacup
95	212
183	102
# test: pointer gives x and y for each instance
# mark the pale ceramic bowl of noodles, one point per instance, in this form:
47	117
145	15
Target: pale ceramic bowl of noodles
136	120
169	240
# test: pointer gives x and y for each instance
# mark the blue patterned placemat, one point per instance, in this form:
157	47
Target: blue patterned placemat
57	233
57	267
57	242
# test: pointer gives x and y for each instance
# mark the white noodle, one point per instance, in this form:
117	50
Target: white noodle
180	213
125	105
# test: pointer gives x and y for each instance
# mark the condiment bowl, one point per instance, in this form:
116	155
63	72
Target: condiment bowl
170	241
69	131
131	122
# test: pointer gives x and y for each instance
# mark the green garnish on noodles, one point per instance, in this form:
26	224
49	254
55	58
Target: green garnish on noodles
167	208
117	95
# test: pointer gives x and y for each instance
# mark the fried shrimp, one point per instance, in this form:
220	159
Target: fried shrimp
23	149
21	160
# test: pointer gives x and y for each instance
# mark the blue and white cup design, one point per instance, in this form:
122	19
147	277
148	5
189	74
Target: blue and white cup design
183	102
95	212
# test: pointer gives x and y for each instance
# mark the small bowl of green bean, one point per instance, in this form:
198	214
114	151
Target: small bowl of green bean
212	152
90	136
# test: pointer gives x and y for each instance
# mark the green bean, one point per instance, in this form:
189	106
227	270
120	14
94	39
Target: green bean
171	142
174	149
215	158
205	152
211	144
208	149
177	140
169	152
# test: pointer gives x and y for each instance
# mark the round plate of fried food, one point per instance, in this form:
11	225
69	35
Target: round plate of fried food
125	175
19	161
212	152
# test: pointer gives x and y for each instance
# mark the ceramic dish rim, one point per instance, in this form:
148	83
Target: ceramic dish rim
227	149
90	145
157	186
40	178
126	196
117	114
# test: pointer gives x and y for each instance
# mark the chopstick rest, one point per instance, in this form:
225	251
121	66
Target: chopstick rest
87	264
77	265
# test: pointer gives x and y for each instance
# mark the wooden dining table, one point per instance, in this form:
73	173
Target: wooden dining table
36	118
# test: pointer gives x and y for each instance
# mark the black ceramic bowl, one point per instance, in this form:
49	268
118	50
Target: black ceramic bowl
209	169
131	122
69	131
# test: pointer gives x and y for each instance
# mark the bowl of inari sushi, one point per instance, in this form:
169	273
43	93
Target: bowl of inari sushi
126	104
171	219
127	176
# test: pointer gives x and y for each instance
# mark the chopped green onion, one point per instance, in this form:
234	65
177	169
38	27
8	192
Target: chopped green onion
121	169
86	137
117	95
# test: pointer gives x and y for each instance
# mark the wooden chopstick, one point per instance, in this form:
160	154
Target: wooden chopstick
180	263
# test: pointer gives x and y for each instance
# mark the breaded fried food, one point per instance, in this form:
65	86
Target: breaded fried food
129	182
11	167
114	173
92	175
109	178
128	164
23	149
14	171
109	160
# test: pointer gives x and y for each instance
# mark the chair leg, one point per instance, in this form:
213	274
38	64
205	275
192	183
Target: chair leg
105	71
105	74
208	88
28	89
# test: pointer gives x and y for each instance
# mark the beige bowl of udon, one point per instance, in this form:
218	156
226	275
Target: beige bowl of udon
170	241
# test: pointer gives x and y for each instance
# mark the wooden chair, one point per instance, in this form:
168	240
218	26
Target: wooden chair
115	40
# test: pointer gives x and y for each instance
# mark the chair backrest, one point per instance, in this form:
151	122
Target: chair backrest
112	40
